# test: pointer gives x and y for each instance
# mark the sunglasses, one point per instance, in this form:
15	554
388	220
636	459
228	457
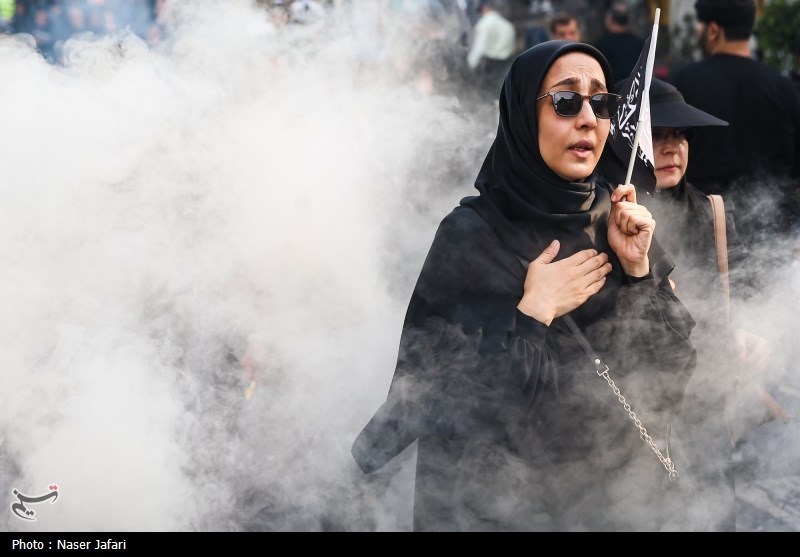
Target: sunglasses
569	103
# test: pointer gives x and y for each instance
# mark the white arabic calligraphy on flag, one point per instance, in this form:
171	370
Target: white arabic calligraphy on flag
623	127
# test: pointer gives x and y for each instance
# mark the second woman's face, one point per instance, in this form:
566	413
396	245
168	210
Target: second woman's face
671	151
571	146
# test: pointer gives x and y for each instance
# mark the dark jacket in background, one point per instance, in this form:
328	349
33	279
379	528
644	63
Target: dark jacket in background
755	161
622	51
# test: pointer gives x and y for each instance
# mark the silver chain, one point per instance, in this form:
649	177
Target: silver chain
666	461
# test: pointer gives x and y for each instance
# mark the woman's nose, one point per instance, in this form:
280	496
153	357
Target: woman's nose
586	117
663	146
667	145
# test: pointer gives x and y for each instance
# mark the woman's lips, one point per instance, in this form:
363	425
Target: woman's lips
668	169
582	149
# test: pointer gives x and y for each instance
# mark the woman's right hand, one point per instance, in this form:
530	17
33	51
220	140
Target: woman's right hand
555	289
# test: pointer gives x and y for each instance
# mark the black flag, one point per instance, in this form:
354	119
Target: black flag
617	153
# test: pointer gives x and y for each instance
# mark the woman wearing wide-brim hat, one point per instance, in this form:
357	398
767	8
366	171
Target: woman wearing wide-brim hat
730	358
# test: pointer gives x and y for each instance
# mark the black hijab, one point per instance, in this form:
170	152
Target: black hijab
521	197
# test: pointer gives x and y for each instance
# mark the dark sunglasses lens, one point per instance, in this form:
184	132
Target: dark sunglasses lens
567	103
603	105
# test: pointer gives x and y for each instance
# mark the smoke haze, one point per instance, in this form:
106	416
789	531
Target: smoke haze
239	189
238	197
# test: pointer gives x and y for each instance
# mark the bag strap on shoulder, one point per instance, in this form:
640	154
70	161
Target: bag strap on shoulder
721	242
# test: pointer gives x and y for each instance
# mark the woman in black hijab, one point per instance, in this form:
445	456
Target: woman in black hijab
517	428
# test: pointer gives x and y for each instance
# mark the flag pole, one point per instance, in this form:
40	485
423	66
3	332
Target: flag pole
645	109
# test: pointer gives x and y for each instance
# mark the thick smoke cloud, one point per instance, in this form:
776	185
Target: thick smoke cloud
208	247
238	193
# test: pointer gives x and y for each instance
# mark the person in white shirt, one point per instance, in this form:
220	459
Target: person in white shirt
493	46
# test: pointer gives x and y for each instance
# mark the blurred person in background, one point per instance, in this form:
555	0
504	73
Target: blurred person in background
620	45
756	159
59	23
494	44
565	26
535	35
77	16
162	21
22	19
6	14
42	31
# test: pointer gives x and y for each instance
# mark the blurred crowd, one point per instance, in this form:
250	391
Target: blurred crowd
459	48
441	45
52	22
445	43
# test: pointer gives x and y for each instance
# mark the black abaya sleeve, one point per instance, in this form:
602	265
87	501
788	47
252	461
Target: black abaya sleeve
463	346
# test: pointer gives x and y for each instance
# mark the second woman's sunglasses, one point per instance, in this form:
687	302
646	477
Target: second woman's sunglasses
569	103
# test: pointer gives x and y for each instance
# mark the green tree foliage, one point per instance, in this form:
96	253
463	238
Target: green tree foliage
778	33
683	46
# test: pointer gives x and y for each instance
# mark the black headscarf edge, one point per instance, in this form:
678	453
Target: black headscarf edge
514	178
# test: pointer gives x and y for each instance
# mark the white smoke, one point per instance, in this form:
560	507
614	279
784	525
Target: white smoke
239	189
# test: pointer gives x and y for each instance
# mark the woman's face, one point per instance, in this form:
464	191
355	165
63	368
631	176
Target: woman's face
571	146
671	151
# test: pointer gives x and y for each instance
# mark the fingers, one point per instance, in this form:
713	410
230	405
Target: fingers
598	275
754	351
631	218
761	363
588	269
553	288
549	253
586	262
626	192
755	364
627	214
581	257
594	268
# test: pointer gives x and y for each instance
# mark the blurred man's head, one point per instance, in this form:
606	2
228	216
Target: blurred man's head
618	18
487	6
724	21
565	26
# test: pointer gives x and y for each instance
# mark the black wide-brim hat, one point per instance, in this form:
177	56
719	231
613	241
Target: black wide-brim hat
669	110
